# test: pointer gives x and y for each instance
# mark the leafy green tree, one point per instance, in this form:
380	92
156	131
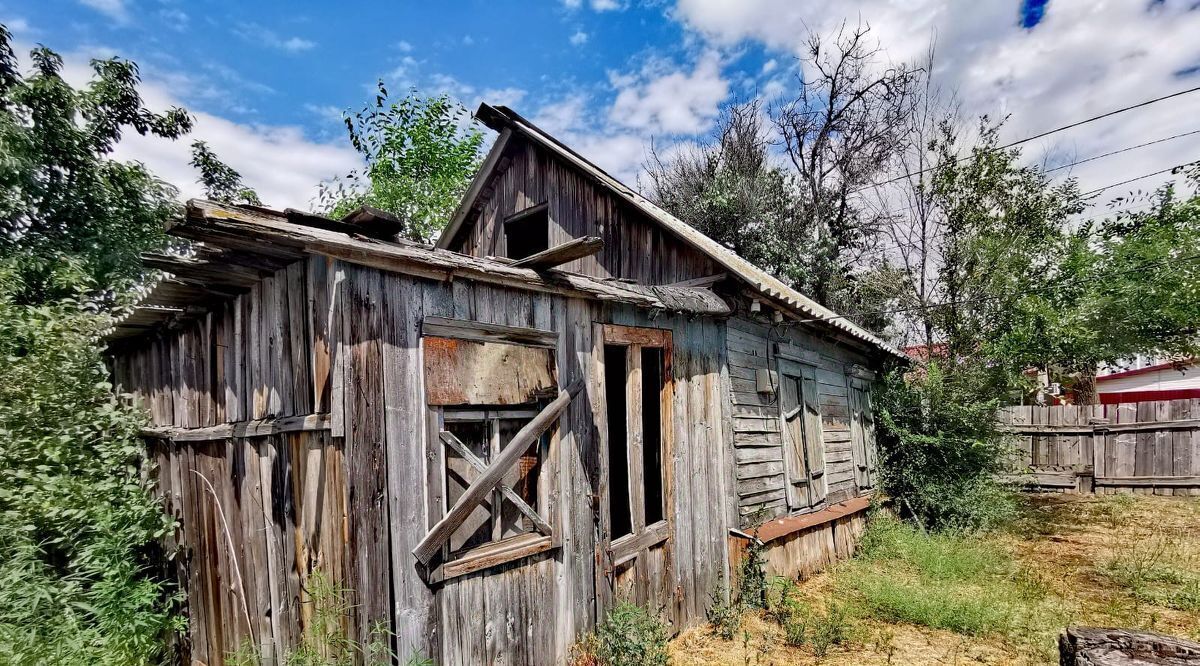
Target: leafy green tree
69	215
732	191
1004	225
77	520
420	154
1125	286
221	182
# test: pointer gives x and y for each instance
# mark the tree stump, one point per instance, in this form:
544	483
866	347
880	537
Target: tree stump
1094	646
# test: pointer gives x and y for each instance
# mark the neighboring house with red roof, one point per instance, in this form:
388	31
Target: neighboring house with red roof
1164	381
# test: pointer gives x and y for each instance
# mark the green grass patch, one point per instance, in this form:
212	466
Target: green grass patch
965	583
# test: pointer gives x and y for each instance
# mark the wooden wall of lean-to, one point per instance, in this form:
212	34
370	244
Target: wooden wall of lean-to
345	493
263	354
758	447
634	247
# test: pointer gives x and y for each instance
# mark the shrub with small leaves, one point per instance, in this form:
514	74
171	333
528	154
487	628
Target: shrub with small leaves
724	615
631	636
78	524
752	576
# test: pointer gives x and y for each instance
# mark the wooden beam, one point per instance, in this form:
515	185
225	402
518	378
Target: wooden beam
1148	481
486	482
257	428
462	329
376	223
706	281
493	554
1100	428
461	449
560	254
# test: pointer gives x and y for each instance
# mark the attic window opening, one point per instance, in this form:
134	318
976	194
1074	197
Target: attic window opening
527	232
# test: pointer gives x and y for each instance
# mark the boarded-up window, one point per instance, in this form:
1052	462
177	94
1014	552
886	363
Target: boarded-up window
485	433
804	450
484	383
470	372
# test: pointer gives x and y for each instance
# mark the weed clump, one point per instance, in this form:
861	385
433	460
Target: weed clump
629	636
1161	570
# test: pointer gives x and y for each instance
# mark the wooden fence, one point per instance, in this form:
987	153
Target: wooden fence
1140	447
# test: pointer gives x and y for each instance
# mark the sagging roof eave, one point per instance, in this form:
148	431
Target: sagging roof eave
504	120
282	240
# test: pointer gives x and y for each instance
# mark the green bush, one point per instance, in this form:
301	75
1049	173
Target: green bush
630	636
941	454
783	600
78	525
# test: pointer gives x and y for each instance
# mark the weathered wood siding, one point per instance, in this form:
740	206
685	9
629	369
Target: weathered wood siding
757	441
634	247
328	337
263	354
247	539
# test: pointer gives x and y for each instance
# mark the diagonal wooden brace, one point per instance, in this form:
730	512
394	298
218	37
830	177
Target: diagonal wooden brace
473	460
488	479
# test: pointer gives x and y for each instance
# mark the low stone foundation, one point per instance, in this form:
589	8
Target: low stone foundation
1093	646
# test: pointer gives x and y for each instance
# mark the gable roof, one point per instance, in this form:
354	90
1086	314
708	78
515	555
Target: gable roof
506	121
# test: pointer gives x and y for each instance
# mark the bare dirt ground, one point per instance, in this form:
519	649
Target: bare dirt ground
1128	561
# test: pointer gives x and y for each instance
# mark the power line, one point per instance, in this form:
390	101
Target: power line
893	214
981	299
1041	135
1123	150
1131	180
916	240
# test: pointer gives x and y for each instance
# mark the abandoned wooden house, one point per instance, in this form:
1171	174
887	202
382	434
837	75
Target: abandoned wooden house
573	399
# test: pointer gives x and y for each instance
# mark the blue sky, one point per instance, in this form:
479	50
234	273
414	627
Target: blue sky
268	80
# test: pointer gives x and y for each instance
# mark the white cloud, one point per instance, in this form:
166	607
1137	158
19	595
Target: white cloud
579	38
296	44
176	19
769	66
510	97
563	115
17	26
1082	59
596	5
326	112
403	46
113	9
257	34
673	101
468	40
280	162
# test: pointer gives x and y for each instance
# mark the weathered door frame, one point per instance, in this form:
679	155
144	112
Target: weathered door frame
635	546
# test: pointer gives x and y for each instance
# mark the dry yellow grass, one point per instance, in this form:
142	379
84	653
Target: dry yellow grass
1076	545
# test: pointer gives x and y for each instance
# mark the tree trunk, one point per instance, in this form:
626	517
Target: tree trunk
1085	388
